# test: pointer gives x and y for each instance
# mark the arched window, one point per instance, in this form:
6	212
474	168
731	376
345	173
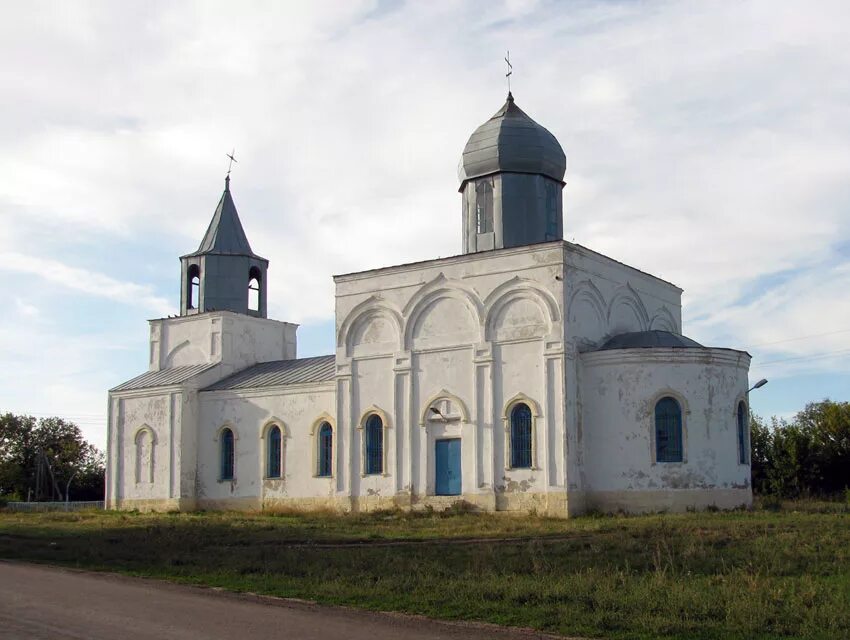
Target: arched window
520	436
254	289
227	452
374	445
743	448
668	430
273	453
324	457
484	205
194	290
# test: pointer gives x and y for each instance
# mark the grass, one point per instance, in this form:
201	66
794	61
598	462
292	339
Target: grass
783	572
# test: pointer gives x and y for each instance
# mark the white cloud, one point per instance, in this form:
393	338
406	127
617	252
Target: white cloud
705	143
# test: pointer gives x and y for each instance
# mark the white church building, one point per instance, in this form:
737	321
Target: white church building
526	374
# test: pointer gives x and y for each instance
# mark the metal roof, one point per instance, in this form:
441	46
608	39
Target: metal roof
279	373
163	377
648	339
225	235
511	141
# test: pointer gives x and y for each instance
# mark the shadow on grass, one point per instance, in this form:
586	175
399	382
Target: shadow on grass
692	576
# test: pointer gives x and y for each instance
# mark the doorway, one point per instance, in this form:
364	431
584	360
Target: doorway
447	458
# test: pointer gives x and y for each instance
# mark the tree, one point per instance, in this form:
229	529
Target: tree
40	457
808	456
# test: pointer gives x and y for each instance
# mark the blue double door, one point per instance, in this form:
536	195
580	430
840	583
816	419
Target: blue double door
447	457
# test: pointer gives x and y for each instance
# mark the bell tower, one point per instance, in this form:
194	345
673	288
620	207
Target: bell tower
224	274
511	178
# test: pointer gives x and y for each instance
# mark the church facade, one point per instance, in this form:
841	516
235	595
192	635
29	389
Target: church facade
527	374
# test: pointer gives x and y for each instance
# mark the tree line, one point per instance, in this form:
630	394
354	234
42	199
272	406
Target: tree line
808	455
47	459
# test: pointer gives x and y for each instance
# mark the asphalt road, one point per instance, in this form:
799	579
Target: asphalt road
43	602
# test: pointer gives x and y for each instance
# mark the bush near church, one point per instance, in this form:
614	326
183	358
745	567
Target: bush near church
808	456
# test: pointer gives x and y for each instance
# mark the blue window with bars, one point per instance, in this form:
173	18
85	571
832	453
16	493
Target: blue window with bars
374	445
325	453
520	436
227	454
668	431
742	433
273	463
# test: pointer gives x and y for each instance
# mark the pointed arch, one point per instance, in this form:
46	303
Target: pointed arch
519	289
364	313
441	288
663	320
443	395
626	296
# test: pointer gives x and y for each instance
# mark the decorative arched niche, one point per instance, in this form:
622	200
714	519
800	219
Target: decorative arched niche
586	316
372	327
444	408
443	313
144	442
626	312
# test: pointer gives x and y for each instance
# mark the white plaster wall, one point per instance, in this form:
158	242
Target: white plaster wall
232	339
472	328
605	298
619	389
149	421
296	409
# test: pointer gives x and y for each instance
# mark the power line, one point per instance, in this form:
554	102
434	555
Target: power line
828	354
814	335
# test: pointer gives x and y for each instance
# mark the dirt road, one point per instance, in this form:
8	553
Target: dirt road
42	602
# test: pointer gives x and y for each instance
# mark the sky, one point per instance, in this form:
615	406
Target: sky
707	143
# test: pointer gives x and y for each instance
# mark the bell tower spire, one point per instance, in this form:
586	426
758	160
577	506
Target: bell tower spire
224	274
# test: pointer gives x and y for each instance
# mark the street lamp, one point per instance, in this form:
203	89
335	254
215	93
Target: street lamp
758	385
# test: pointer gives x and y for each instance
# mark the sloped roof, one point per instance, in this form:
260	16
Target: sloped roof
279	373
648	339
225	235
511	141
163	377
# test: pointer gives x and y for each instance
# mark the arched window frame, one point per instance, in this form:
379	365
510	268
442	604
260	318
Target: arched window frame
742	431
255	289
144	475
484	197
315	434
266	438
685	412
384	441
193	286
220	441
521	398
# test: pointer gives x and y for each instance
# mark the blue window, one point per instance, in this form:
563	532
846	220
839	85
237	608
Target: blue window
325	452
374	445
742	433
520	436
227	454
484	205
668	431
274	449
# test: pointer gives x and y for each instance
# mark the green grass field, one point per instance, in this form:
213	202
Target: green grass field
757	574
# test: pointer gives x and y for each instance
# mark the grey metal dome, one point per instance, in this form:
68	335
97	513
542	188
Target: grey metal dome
646	339
512	142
